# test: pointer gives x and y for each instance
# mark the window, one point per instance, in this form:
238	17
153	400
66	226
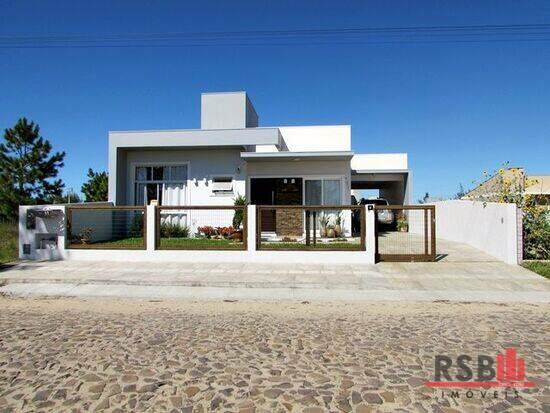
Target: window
166	184
222	185
323	192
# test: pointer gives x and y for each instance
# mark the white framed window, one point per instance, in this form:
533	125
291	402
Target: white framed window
165	183
222	185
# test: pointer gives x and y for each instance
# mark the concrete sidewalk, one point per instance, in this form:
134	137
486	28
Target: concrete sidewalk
454	281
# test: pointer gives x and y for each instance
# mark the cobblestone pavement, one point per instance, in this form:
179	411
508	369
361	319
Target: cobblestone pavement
123	355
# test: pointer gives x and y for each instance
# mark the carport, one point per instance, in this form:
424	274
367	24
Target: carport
387	172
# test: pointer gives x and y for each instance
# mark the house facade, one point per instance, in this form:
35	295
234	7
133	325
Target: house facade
232	155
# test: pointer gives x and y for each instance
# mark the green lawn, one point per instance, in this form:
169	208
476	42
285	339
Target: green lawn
319	246
125	243
8	242
540	267
200	243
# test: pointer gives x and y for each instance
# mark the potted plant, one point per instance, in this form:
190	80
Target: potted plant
339	223
402	224
85	235
330	231
323	222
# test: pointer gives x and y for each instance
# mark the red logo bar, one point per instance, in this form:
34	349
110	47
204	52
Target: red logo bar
479	384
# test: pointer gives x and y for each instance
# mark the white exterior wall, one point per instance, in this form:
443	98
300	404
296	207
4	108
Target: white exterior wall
379	161
152	255
317	138
202	165
490	227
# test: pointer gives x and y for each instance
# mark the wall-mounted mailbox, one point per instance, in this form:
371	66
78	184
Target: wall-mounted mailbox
46	241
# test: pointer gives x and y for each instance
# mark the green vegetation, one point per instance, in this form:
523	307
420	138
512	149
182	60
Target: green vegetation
240	200
200	243
540	267
168	230
8	242
319	246
124	243
95	190
28	169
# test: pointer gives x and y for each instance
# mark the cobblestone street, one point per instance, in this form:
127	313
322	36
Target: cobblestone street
137	355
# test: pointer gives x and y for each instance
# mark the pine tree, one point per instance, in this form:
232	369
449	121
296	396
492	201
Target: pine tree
27	169
96	189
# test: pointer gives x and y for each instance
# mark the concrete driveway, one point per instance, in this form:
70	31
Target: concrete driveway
464	274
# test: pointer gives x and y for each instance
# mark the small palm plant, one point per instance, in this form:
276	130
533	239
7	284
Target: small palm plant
323	222
240	200
339	223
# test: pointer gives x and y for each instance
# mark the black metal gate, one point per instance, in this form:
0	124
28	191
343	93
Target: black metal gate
405	233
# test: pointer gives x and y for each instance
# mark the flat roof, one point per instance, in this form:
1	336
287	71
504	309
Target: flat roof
296	156
196	138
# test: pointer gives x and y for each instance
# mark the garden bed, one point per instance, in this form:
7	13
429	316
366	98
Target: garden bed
123	243
201	244
283	245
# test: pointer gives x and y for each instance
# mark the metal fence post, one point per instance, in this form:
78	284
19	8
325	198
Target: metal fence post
369	223
150	227
251	228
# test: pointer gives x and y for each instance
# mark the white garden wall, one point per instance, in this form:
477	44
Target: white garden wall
490	227
57	225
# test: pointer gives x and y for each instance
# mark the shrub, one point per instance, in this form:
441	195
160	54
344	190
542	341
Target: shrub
225	231
208	231
536	233
169	230
136	229
240	200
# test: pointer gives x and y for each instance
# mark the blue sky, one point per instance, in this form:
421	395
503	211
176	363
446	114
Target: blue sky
457	108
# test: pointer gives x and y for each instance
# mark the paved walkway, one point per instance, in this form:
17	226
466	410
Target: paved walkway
255	357
489	281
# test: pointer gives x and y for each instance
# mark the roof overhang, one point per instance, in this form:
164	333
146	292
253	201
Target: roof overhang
297	156
196	138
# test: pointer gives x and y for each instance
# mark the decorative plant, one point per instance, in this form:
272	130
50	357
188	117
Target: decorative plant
136	229
225	231
402	224
339	223
323	222
208	231
85	235
240	200
330	231
169	230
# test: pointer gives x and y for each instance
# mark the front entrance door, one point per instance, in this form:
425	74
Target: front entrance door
274	191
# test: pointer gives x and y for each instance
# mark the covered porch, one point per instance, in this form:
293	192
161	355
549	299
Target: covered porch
299	179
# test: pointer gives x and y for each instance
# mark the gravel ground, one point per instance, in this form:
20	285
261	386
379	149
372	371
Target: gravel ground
137	355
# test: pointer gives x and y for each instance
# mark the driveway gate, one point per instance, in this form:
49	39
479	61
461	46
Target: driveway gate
405	232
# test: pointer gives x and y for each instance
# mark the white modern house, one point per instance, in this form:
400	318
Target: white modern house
232	155
172	196
294	179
